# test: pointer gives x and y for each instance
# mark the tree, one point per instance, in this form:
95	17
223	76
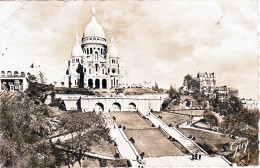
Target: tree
80	70
86	129
191	83
210	118
62	84
172	92
23	126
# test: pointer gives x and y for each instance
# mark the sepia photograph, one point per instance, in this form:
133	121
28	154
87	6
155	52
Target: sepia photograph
110	83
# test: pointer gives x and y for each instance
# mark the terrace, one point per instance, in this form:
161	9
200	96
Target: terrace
173	119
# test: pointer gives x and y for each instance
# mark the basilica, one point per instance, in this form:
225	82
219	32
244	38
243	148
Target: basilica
101	68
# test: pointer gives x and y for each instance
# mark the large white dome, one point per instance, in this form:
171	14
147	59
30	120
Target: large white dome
93	28
77	50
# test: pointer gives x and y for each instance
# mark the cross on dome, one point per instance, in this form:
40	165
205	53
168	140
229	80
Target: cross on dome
93	28
77	39
93	11
77	50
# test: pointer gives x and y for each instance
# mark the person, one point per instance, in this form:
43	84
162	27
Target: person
199	156
196	155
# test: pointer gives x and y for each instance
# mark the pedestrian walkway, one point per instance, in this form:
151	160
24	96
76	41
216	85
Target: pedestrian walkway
189	123
186	161
200	129
191	146
126	149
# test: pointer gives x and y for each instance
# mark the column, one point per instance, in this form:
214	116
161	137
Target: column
24	84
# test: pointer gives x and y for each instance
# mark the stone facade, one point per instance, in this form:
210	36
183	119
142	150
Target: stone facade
249	104
224	92
16	78
207	82
101	66
144	85
142	103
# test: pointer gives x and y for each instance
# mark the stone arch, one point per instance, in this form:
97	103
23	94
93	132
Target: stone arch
97	83
116	106
132	106
90	83
104	84
99	107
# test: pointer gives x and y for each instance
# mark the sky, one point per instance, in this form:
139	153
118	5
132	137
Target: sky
159	41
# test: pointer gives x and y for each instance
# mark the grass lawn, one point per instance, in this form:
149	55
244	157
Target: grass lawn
174	119
104	148
188	112
201	125
130	119
153	143
211	141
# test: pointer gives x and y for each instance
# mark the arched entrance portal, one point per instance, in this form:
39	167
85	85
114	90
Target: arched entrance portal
104	83
97	83
132	106
99	107
116	107
90	83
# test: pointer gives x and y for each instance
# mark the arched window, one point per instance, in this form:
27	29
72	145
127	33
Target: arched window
103	71
104	83
90	50
87	51
96	67
3	73
97	83
9	73
22	74
90	83
15	73
89	71
101	51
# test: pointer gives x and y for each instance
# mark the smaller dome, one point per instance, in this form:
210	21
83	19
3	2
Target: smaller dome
77	50
112	51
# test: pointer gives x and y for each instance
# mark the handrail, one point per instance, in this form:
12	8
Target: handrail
181	134
226	160
130	144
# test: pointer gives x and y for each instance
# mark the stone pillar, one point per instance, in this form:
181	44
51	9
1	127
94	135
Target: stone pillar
24	84
94	83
